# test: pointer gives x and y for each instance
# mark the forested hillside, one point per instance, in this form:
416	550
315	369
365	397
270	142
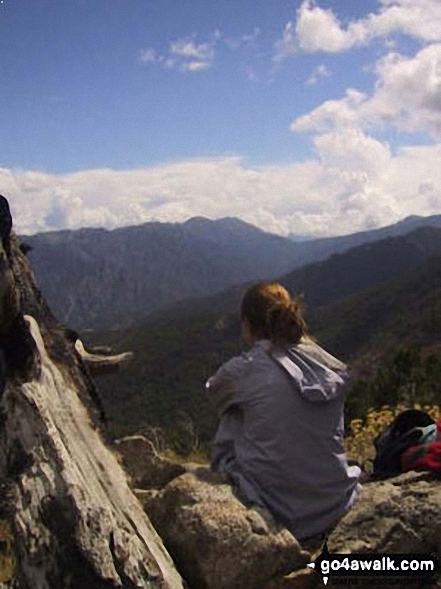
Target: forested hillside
177	350
320	249
363	267
391	336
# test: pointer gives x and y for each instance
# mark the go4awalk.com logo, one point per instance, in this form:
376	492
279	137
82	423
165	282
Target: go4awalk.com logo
365	569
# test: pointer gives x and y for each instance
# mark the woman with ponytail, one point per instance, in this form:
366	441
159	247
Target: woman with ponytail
280	435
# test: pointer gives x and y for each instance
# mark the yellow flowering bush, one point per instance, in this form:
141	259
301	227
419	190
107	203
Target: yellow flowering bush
360	441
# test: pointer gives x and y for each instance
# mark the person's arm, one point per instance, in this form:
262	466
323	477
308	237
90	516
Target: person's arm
226	387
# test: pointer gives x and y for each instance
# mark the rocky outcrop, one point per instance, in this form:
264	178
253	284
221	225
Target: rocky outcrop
216	541
220	543
73	520
398	515
147	469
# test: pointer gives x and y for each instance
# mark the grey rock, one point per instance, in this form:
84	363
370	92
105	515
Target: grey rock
147	469
216	541
400	515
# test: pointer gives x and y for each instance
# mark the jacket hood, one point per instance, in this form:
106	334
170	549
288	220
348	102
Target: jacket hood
318	375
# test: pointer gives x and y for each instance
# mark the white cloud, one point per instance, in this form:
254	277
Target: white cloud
186	55
318	29
420	19
195	66
367	183
285	46
407	95
408	91
247	40
188	49
332	114
189	55
150	55
251	38
352	150
355	182
318	73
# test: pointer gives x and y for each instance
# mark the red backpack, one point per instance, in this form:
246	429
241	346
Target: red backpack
410	429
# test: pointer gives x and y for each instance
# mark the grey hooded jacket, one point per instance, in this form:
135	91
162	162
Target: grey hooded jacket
280	436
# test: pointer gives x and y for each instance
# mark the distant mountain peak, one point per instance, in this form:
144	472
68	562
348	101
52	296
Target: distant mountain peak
196	220
411	219
223	222
112	278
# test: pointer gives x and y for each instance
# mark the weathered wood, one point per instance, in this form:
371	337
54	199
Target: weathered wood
101	363
75	523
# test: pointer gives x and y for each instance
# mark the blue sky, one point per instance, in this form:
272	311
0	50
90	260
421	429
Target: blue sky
119	112
76	94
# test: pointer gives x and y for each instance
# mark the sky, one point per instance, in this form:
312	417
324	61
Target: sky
303	117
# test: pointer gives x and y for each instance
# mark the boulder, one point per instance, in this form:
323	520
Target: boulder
216	541
397	515
400	515
219	542
147	469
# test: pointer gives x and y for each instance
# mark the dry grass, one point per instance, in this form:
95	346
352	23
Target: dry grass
196	457
7	560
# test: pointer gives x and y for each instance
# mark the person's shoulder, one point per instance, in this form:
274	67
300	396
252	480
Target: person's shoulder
232	370
238	365
243	365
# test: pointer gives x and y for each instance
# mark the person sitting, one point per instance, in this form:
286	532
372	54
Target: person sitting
280	434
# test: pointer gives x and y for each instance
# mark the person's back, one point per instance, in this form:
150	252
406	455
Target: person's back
280	437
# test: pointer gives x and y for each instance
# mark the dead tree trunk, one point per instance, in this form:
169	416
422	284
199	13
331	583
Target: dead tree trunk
75	523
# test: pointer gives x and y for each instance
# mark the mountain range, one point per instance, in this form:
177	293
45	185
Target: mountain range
94	278
100	279
320	249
